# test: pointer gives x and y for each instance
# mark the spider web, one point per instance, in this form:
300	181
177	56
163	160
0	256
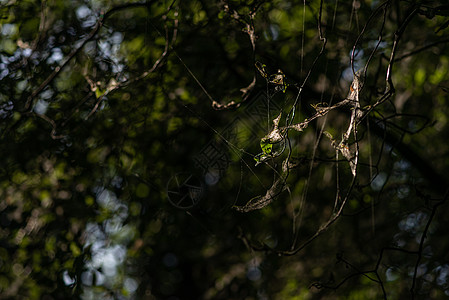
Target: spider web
277	138
276	152
291	135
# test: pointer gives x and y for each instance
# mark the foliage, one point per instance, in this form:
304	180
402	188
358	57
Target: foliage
223	150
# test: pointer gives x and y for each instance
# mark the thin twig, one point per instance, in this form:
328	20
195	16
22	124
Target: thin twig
155	66
421	243
411	53
75	51
397	37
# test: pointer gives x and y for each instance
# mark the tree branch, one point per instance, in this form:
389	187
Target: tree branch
93	32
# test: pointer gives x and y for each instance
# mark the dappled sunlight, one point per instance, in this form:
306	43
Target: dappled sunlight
223	150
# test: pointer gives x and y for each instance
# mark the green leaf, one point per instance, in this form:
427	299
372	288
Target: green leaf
266	147
99	92
260	158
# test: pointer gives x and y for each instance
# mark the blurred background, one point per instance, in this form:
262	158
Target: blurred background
138	158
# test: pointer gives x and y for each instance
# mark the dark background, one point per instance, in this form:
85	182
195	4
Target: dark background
130	133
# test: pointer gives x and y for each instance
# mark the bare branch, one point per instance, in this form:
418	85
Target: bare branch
75	51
